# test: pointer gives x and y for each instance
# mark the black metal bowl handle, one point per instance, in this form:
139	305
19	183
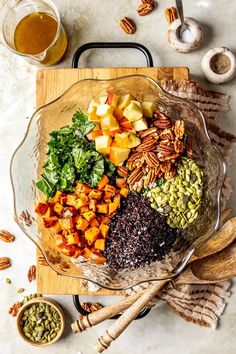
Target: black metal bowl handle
83	312
102	45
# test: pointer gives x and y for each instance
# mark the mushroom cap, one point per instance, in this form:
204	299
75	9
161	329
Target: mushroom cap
174	35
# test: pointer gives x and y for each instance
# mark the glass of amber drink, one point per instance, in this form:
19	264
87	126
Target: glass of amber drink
33	29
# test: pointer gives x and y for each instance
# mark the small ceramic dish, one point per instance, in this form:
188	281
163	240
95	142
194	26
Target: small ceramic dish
28	305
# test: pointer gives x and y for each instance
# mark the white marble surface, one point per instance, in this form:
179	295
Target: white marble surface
161	331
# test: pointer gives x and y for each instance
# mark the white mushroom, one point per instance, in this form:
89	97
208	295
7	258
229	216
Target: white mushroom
219	65
191	38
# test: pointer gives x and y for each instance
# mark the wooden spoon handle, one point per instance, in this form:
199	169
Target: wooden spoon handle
98	316
128	316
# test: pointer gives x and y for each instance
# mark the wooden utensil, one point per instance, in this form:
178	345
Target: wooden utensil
127	317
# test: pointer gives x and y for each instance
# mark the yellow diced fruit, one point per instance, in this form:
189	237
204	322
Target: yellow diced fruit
104	109
70	199
104	229
102	144
93	104
103	99
102	208
94	194
122	139
100	244
138	104
133	141
132	112
140	124
113	99
92	234
109	122
118	155
58	208
124	101
92	117
148	109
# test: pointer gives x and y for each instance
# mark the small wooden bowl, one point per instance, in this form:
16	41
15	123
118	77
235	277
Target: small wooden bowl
50	302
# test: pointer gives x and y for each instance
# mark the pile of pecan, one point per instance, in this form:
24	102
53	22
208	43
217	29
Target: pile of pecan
156	157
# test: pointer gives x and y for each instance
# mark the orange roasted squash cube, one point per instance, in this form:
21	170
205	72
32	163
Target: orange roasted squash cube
41	208
70	199
100	244
57	228
73	239
114	205
94	222
81	202
104	229
102	208
82	188
93	205
94	194
58	208
92	234
89	215
121	182
81	224
110	189
124	192
103	181
50	221
105	220
66	223
86	252
60	240
97	259
56	197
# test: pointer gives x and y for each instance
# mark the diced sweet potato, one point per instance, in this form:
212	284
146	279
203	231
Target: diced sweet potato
104	230
93	205
110	189
50	221
81	224
108	196
92	234
70	199
58	208
124	192
82	188
56	197
41	208
50	211
84	209
105	220
77	253
94	222
100	244
102	208
81	202
57	228
103	181
94	194
73	239
114	205
89	215
66	223
86	252
121	182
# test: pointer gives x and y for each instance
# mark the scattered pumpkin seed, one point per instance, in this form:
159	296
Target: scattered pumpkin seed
21	290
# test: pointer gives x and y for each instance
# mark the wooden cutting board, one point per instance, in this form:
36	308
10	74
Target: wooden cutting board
51	83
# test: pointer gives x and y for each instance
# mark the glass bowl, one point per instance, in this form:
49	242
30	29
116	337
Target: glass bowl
27	162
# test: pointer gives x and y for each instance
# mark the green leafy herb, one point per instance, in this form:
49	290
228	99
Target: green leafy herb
72	157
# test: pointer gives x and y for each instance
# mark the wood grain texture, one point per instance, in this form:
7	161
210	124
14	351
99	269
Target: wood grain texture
51	83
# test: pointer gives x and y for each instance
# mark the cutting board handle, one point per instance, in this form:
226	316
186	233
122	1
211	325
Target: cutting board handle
102	45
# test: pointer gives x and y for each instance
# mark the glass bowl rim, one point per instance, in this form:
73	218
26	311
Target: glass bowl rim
190	252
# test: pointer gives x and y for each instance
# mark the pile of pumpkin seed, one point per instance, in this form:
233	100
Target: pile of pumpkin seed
41	322
180	198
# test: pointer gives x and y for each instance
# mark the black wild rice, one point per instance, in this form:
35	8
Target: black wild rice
138	235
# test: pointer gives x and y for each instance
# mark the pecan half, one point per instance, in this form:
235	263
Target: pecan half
151	159
179	146
160	115
135	176
122	171
148	145
150	178
171	15
14	309
32	273
152	2
145	8
138	186
179	129
5	263
6	236
166	166
170	174
171	157
128	25
163	123
147	132
167	134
